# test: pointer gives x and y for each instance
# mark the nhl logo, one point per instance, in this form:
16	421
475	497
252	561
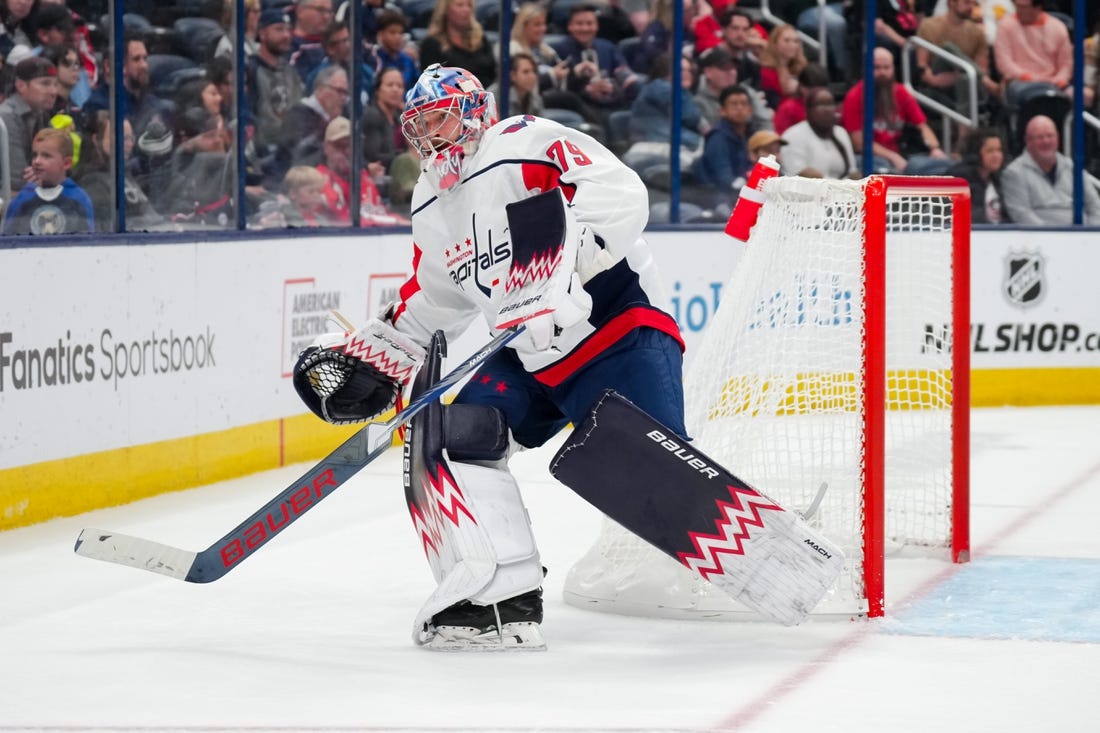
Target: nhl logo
1024	274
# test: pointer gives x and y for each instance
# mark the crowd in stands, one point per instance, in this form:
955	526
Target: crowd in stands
753	85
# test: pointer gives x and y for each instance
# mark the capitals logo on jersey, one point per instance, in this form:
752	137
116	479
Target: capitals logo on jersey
478	257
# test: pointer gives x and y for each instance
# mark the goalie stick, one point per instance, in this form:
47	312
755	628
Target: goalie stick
303	494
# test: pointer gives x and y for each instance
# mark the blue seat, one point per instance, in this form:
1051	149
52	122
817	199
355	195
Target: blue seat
167	71
196	38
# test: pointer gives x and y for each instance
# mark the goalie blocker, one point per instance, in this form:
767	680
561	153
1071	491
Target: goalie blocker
689	507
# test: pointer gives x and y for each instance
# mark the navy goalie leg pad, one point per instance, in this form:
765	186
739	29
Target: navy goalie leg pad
661	488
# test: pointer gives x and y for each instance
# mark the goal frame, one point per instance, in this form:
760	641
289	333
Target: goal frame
877	192
884	492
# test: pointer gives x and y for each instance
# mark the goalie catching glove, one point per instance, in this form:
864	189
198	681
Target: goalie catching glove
349	378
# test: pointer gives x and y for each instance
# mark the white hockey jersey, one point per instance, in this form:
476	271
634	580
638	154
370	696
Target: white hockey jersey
462	251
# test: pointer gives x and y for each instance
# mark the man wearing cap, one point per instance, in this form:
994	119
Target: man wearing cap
763	143
26	112
718	71
272	87
336	169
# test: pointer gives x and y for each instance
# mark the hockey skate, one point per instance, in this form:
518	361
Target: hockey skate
510	625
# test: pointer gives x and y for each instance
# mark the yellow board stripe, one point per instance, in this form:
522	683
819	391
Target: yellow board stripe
70	486
1032	387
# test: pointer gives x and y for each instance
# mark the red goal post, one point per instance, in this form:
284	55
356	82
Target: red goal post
839	355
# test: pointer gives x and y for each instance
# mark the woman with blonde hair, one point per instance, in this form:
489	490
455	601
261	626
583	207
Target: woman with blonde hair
529	37
781	60
456	38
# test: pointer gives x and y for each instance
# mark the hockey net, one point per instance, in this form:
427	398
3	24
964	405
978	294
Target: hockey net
839	355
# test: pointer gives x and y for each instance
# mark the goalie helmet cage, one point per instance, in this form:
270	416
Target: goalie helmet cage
839	355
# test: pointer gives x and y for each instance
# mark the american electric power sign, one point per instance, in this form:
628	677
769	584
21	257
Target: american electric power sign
107	356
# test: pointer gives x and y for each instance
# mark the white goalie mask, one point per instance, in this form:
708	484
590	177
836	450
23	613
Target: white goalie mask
446	113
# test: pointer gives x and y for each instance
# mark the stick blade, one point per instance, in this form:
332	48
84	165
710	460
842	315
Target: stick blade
123	549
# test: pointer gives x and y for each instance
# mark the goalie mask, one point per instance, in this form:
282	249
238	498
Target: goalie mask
446	113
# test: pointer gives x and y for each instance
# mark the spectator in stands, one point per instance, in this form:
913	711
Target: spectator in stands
1034	53
724	163
655	38
370	13
96	177
199	191
307	50
271	86
15	22
390	48
220	71
384	147
456	38
742	41
202	92
529	36
898	118
304	125
781	61
955	32
718	71
651	111
337	44
1038	185
336	169
806	16
763	143
52	24
50	202
896	21
67	62
818	147
792	110
142	106
523	91
305	204
26	112
224	47
81	40
705	26
981	165
987	14
597	71
615	22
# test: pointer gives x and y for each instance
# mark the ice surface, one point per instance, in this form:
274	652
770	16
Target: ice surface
312	634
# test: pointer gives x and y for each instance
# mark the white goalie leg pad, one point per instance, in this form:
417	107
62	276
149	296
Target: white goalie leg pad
489	554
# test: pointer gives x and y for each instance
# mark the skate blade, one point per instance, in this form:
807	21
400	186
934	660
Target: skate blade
520	636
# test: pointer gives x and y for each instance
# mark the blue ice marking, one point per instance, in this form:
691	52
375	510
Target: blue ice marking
1029	598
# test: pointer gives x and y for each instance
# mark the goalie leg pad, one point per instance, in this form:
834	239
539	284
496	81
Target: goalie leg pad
470	518
691	508
481	548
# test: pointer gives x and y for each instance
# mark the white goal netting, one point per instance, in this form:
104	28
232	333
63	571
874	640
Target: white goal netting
776	391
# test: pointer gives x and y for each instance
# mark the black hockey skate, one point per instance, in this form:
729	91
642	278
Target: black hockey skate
510	625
